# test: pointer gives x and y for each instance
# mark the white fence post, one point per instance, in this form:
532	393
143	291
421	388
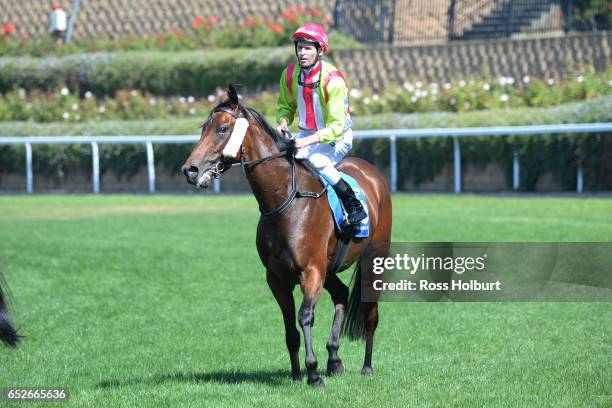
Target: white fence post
151	166
457	154
393	164
515	171
95	167
29	173
579	179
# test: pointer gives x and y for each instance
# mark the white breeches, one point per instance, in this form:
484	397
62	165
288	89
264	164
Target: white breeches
324	156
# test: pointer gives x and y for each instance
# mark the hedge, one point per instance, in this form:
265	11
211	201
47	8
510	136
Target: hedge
483	94
460	96
589	111
195	73
420	160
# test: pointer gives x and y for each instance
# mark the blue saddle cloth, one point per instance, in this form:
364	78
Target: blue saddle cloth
363	229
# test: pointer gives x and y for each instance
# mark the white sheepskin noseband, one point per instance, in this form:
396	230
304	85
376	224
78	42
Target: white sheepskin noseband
235	141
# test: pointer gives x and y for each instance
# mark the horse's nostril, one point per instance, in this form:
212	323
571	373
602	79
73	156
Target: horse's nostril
190	171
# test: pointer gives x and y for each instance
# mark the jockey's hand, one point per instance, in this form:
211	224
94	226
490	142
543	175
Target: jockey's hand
306	141
283	125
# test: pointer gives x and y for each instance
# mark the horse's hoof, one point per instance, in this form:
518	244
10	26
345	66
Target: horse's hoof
335	368
318	382
367	371
297	380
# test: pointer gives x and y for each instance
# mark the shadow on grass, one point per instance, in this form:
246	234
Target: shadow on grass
274	378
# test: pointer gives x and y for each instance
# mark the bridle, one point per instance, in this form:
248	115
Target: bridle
223	165
220	167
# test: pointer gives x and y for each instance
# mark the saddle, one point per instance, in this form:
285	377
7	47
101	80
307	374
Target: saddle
346	232
361	230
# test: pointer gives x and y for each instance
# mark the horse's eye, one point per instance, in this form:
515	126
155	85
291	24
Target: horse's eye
222	129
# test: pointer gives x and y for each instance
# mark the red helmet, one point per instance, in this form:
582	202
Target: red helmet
57	5
312	33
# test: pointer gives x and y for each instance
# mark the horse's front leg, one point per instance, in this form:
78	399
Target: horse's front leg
339	293
311	283
283	292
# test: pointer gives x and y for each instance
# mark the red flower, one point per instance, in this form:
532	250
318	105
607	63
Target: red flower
206	27
8	28
300	9
197	22
292	18
249	22
213	19
176	33
277	28
315	12
289	14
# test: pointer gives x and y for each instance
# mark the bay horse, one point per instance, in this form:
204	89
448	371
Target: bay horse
8	334
296	237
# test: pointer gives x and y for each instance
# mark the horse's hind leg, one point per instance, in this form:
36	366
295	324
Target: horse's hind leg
284	296
8	334
370	327
381	244
311	283
339	293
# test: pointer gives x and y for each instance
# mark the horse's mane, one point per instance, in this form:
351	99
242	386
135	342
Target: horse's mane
281	142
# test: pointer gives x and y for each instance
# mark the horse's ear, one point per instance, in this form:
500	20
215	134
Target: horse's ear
232	94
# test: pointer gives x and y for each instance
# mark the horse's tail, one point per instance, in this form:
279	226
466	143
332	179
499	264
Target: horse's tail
353	325
8	334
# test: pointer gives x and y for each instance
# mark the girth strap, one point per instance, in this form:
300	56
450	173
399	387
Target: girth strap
342	248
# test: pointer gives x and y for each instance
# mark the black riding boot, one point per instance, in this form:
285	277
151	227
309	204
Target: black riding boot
352	206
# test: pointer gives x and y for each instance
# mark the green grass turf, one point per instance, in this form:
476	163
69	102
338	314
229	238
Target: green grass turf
162	301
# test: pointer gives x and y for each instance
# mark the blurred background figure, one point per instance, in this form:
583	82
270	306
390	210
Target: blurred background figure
59	23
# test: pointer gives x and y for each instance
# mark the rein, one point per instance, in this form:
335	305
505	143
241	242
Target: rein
222	166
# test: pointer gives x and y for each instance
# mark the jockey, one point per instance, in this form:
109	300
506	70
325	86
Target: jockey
319	93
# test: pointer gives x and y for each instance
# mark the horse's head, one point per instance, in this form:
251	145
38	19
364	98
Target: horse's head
220	141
